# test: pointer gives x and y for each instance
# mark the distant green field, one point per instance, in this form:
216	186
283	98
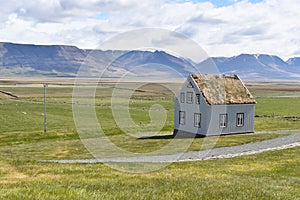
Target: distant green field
279	113
22	118
26	113
271	175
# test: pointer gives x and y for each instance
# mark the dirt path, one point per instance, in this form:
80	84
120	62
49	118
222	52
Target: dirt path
285	142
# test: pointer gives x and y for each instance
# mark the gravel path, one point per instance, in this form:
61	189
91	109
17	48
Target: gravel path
215	153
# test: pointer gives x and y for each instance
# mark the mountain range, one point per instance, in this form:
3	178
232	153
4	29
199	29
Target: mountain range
61	61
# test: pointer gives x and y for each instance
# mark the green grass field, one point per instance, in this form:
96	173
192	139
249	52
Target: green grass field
269	175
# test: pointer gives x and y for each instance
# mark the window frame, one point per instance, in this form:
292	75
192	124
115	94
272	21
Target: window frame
182	118
182	97
238	122
197	99
221	125
189	94
190	85
198	124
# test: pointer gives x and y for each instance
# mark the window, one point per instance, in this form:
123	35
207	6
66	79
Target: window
197	119
189	97
190	85
181	117
223	120
197	99
240	119
182	97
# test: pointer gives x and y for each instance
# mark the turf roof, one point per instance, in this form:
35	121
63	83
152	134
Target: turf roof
223	89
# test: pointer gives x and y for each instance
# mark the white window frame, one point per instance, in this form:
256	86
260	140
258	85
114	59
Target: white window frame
197	99
240	117
189	97
182	97
223	120
197	120
182	117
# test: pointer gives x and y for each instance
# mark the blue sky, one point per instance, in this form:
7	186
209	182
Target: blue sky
220	3
220	27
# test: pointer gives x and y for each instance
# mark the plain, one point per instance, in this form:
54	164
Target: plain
269	175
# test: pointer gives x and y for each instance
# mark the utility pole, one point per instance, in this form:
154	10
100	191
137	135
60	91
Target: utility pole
45	108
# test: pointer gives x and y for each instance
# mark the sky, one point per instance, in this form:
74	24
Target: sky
220	27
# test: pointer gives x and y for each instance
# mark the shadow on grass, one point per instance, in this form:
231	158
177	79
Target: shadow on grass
159	137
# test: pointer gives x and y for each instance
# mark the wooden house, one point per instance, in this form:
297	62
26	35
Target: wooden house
210	104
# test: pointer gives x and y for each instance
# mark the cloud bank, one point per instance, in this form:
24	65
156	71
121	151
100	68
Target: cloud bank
269	26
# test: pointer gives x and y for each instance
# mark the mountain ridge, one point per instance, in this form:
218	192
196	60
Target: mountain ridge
66	60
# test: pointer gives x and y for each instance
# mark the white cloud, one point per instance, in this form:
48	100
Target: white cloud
268	27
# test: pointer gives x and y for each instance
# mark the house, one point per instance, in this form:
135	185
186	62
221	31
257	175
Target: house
210	104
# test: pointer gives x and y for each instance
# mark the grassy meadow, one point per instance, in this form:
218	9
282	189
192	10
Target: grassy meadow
269	175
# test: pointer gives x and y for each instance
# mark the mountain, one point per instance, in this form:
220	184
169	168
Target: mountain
257	66
294	62
294	65
40	59
153	62
62	60
51	60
